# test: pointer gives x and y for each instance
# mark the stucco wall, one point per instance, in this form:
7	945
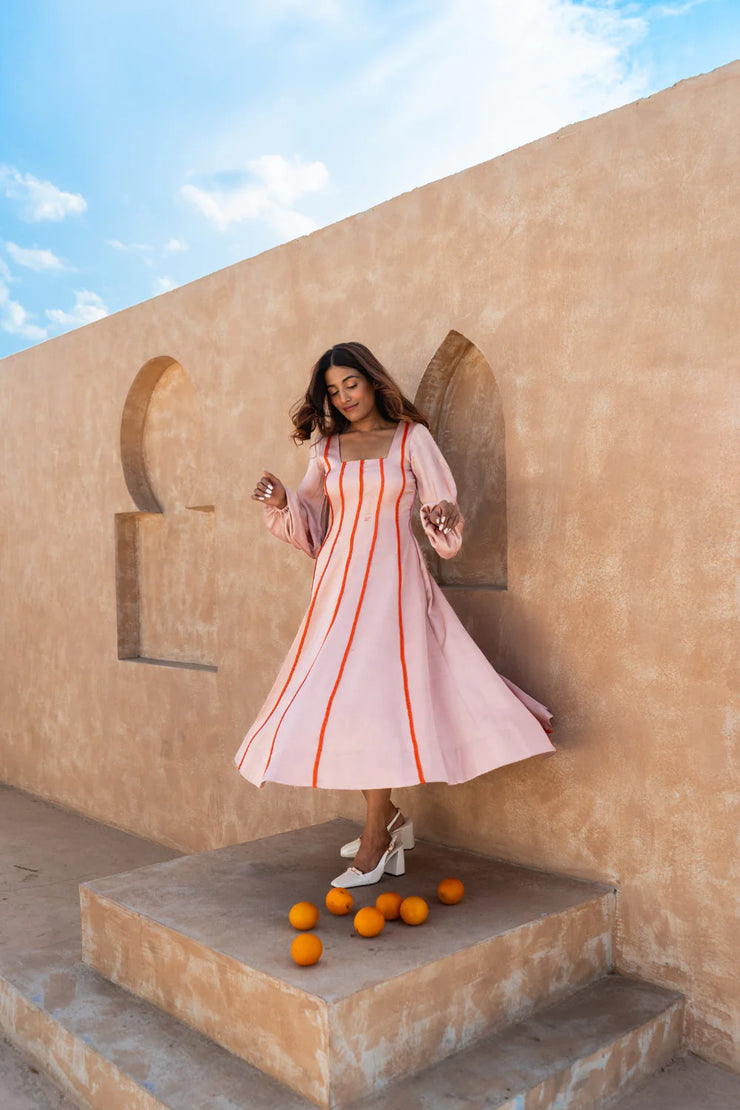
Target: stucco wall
596	271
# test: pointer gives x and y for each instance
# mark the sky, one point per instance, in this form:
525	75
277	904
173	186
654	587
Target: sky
146	143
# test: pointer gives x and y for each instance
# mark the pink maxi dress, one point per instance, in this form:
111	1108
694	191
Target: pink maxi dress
382	686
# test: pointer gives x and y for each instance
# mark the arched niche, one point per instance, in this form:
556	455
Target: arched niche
161	436
164	549
460	397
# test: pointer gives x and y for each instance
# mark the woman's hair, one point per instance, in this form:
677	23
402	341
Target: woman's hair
316	411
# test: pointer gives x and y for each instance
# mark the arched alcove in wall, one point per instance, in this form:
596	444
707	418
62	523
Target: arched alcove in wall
460	397
165	549
161	435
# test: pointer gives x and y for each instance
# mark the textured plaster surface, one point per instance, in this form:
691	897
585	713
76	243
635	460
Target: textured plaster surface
236	901
688	1083
105	1048
456	383
24	1087
596	273
573	1054
115	1052
207	936
111	1051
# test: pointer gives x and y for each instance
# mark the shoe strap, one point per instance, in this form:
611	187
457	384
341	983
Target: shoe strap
393	820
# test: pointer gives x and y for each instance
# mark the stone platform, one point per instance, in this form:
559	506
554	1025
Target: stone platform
207	937
107	1049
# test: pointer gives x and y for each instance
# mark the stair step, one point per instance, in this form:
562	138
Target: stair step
109	1050
113	1051
578	1054
24	1087
206	939
687	1083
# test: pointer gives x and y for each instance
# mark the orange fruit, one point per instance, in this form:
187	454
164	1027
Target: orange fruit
389	905
339	901
303	915
450	891
306	949
369	922
414	910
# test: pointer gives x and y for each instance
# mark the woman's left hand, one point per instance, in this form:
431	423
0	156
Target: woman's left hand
445	515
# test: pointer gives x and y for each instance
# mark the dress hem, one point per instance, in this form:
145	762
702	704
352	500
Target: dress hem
402	785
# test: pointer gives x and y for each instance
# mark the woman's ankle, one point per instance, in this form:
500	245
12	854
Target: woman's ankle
372	846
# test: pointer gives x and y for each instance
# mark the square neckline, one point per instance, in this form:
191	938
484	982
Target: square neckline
375	458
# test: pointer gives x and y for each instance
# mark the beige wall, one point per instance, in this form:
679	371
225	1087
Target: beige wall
596	271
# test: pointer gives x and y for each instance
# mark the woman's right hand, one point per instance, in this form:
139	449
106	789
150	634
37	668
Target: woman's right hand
270	491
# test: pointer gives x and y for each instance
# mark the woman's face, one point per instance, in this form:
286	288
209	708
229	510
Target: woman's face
350	392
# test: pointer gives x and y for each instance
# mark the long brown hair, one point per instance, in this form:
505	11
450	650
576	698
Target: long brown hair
316	411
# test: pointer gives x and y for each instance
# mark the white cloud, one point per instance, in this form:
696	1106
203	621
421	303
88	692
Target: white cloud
175	245
286	182
119	246
447	85
479	77
16	321
13	317
163	285
88	308
33	258
40	200
272	201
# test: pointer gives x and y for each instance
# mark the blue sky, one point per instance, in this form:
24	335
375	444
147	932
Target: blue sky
145	144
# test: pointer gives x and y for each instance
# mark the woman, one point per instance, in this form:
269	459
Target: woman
382	686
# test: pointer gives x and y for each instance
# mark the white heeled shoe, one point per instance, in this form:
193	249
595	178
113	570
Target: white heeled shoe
404	836
391	861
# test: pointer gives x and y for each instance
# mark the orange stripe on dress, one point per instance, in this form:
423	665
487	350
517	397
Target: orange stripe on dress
334	615
315	594
327	460
354	625
400	614
327	471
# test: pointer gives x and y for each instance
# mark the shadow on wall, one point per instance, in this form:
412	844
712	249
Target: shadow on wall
460	398
165	551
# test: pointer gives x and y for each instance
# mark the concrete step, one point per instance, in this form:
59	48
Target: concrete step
687	1083
206	939
580	1053
109	1050
112	1051
23	1086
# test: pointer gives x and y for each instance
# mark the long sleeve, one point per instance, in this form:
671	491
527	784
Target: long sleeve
435	483
304	520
